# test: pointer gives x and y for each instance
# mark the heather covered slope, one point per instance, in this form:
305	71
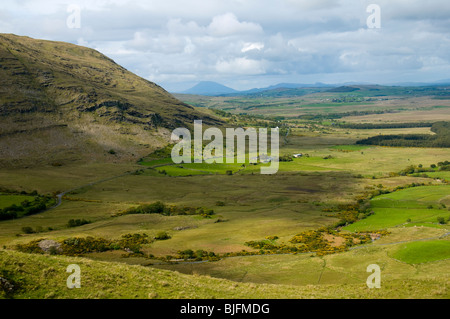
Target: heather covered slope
62	102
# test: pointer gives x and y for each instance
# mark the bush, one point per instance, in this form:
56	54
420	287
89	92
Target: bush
76	246
286	158
77	222
35	209
220	203
28	230
154	208
162	235
5	215
132	242
441	220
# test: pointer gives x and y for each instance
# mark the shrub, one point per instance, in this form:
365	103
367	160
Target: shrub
132	242
77	222
154	208
5	215
162	235
28	230
441	220
76	246
35	209
220	203
286	158
32	247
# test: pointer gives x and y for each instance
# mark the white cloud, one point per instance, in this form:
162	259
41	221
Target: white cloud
240	66
250	42
228	24
252	46
313	5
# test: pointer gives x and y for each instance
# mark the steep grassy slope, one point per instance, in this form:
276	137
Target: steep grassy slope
39	276
62	102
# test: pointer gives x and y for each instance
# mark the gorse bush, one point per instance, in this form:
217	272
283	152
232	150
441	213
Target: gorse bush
167	210
77	222
162	235
197	255
77	246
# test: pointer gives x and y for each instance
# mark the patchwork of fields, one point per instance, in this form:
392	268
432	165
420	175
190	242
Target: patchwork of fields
335	185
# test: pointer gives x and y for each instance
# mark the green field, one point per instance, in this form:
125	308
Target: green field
422	252
443	175
418	205
8	200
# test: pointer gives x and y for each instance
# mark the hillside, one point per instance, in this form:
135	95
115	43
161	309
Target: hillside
44	277
62	102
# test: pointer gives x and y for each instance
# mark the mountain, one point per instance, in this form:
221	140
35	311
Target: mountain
285	86
209	88
60	103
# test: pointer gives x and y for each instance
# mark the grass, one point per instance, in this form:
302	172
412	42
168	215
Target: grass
44	277
422	252
349	147
125	119
255	206
442	174
8	200
417	204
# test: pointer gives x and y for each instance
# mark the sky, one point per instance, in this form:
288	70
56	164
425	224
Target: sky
248	44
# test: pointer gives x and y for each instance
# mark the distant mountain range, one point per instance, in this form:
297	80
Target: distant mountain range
210	88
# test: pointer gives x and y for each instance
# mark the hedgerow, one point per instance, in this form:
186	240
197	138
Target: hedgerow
26	208
167	210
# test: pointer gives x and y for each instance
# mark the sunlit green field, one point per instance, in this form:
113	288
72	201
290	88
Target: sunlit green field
422	252
414	205
8	200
